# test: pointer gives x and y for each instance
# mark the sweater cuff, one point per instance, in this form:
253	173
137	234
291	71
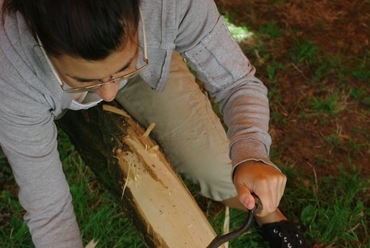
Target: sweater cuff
249	150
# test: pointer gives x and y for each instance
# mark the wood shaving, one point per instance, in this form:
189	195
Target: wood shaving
91	244
226	228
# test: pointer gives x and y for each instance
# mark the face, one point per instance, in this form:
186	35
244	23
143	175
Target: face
77	72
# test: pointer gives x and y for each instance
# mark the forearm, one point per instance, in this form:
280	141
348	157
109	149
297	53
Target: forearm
246	113
44	194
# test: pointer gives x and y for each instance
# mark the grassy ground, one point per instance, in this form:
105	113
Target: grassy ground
314	58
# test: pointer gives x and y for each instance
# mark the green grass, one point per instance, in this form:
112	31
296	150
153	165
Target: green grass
331	104
303	50
332	208
271	29
239	33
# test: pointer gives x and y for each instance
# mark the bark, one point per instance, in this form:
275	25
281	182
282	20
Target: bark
134	169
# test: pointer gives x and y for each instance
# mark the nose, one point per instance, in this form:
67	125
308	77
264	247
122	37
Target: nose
107	92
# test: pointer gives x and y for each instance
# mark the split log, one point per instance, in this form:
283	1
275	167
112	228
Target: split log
134	169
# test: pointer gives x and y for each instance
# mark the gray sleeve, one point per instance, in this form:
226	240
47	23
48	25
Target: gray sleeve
28	137
229	77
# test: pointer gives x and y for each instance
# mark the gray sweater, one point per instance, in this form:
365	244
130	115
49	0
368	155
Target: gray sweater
30	99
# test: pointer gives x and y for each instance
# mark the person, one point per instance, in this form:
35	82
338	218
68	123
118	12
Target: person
59	55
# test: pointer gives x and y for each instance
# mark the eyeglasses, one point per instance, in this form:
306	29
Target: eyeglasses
113	79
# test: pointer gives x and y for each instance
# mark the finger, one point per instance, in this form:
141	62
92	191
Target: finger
267	197
274	191
245	197
267	207
280	190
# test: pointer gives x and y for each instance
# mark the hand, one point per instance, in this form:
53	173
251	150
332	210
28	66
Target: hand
261	179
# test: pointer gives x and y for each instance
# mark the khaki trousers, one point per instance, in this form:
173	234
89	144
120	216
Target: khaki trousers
186	127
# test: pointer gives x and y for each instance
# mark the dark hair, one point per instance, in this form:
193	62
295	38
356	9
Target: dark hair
88	29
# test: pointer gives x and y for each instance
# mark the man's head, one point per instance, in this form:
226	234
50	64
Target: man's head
87	29
91	43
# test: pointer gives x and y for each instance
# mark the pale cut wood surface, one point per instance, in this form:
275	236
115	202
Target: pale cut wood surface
163	200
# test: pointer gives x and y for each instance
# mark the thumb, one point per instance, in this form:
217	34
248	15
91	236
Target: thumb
245	197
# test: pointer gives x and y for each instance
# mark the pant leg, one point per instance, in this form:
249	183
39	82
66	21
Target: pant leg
187	129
